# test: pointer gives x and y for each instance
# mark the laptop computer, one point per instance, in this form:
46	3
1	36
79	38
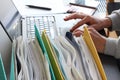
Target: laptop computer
16	24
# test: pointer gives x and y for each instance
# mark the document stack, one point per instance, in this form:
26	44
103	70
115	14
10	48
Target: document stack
62	58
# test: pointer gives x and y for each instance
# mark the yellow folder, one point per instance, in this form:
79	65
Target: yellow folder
91	46
40	41
51	55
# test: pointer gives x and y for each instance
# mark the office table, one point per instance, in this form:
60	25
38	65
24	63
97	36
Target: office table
110	66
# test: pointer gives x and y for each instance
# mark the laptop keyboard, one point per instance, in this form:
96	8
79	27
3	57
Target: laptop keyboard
43	23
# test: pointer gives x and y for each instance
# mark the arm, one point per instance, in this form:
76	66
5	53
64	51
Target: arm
112	47
115	18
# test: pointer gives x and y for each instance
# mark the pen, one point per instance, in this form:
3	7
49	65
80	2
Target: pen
39	7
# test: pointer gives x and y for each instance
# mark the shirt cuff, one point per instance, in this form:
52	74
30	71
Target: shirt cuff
115	21
110	46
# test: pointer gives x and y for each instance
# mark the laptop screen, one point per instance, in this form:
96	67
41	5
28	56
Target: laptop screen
8	16
5	49
7	11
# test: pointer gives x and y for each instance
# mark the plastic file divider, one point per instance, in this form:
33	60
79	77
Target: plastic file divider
91	46
53	60
12	71
2	70
40	41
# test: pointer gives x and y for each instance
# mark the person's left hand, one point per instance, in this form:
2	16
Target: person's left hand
97	38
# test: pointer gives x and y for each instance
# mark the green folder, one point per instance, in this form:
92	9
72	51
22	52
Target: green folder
2	70
52	57
12	70
40	41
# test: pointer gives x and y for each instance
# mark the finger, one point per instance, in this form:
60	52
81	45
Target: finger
95	26
91	27
78	30
69	17
74	16
77	33
80	23
93	30
94	34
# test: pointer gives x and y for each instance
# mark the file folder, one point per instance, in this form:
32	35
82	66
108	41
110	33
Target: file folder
12	70
91	46
51	55
2	70
40	41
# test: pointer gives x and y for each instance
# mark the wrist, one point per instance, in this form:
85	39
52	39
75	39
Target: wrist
107	23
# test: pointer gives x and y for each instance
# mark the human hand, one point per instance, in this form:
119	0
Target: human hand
91	21
97	38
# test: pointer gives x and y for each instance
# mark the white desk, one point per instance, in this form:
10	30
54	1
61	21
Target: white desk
56	5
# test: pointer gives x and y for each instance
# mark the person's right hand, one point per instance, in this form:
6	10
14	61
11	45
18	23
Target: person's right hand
91	21
97	38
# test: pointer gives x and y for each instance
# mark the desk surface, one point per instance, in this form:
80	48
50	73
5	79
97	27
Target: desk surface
110	67
61	6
